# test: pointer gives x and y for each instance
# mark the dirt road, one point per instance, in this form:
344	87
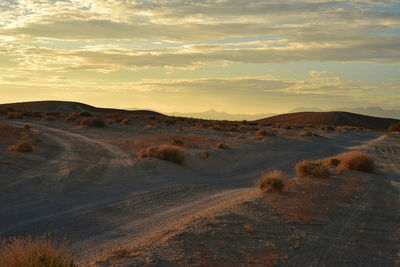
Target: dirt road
103	198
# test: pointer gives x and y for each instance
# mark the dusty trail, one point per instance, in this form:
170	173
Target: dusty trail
368	232
103	199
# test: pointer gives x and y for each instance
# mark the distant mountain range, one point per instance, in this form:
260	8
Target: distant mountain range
218	115
370	111
66	106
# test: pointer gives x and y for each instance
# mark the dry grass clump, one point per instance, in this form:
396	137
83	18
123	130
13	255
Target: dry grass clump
357	161
7	130
15	115
177	142
34	252
165	152
205	154
329	162
93	122
71	118
308	168
125	121
262	132
272	181
221	146
149	126
308	132
119	253
394	127
249	228
24	147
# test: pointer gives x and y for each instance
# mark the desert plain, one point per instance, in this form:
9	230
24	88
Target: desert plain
88	185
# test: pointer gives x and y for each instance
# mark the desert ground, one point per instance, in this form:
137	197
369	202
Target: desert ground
88	184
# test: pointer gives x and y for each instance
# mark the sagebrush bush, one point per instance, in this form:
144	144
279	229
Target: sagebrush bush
15	115
329	162
7	130
165	152
149	126
177	142
205	154
34	252
262	132
93	122
272	181
394	127
125	121
357	161
308	168
221	146
24	147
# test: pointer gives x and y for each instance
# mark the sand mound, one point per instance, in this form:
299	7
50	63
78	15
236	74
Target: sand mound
334	118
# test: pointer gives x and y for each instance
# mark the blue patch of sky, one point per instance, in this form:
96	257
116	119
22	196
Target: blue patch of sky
368	74
241	39
391	8
390	32
7	5
241	46
79	44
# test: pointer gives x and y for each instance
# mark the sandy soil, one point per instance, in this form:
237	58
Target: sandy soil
88	185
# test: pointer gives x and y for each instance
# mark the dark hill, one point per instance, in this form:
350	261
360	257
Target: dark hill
334	118
65	106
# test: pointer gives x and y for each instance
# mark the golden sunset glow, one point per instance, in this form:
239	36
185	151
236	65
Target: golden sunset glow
190	56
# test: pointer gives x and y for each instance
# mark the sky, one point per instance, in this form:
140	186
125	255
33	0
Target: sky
237	56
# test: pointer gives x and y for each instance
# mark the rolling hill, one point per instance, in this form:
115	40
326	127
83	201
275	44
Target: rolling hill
333	118
66	106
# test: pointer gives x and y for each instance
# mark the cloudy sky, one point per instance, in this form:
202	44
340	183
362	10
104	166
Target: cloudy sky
238	56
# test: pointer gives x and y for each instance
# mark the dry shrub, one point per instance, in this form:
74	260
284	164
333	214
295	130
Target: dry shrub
221	146
250	229
7	130
93	122
177	142
394	127
205	154
329	162
24	147
308	168
119	253
262	132
215	128
149	126
34	252
357	161
165	152
71	118
272	181
15	115
305	132
125	121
